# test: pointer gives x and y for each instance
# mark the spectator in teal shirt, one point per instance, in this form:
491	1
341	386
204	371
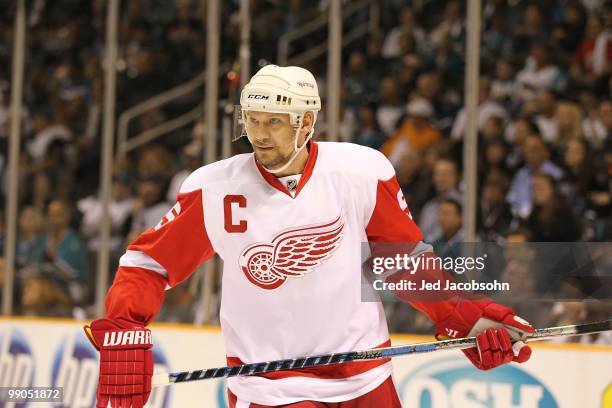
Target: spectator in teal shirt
30	249
64	249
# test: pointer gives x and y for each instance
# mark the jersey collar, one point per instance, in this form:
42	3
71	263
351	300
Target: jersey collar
306	173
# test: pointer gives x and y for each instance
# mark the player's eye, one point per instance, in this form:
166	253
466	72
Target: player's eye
275	121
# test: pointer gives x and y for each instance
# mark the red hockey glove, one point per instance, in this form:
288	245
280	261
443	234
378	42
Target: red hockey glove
126	362
498	332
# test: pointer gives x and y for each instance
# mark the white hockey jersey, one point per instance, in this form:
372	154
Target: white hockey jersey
292	265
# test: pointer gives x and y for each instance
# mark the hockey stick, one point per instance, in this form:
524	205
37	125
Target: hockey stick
373	354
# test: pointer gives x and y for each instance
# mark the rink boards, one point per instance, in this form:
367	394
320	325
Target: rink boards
52	352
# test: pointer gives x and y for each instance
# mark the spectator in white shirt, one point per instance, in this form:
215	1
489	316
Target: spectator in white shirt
503	86
391	47
150	206
597	127
452	25
391	108
191	158
546	107
539	73
121	206
487	107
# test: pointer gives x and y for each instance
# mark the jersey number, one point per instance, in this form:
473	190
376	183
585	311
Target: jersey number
229	223
402	203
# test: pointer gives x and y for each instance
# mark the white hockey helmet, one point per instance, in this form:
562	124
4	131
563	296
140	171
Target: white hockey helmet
291	90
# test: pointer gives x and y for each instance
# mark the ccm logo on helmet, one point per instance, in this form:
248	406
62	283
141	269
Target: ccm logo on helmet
259	97
127	337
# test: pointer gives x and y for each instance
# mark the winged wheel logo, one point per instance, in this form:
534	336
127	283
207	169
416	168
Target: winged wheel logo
292	253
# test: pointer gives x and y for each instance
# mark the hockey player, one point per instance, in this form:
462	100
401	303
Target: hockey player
288	221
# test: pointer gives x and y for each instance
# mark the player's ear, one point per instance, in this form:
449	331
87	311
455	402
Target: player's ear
307	122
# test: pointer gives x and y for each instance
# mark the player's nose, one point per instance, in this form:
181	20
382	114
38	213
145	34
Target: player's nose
261	137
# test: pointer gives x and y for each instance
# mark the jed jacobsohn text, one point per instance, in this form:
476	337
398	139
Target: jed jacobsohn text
406	262
441	285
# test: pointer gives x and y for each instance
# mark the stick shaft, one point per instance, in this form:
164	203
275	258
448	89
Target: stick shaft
373	354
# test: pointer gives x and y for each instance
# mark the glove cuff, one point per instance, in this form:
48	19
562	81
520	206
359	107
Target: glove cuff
466	314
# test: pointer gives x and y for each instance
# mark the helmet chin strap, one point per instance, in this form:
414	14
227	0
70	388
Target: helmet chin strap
296	151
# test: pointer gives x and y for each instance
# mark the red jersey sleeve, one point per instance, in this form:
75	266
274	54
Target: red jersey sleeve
392	223
391	220
161	256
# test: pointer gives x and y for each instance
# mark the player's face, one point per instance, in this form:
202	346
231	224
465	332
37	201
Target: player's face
272	137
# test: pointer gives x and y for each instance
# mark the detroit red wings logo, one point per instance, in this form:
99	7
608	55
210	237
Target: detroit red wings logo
292	253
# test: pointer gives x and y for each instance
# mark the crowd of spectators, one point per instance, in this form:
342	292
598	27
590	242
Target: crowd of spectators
544	123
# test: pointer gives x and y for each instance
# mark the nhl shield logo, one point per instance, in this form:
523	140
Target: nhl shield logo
292	184
292	253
